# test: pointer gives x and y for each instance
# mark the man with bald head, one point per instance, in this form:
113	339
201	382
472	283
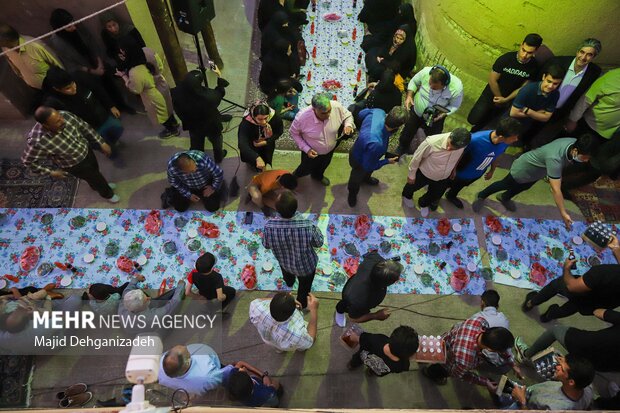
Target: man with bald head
66	140
195	368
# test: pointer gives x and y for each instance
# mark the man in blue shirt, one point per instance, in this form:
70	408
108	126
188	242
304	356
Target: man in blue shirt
536	101
371	145
194	176
483	150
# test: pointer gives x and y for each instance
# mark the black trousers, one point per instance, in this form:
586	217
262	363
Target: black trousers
88	170
411	127
507	184
214	305
181	204
557	286
315	167
455	186
484	111
433	194
305	285
357	177
197	143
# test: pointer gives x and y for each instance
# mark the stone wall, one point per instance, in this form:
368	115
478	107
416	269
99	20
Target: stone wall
467	36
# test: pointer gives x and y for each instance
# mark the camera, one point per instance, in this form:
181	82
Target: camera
431	112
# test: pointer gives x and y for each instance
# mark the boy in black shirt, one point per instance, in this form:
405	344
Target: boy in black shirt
510	72
384	355
209	283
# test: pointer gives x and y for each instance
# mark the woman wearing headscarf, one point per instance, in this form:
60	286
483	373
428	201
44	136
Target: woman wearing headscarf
398	54
278	64
380	36
196	106
257	135
141	70
266	9
115	29
378	14
80	55
277	29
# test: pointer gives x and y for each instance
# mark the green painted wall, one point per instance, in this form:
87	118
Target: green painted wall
468	35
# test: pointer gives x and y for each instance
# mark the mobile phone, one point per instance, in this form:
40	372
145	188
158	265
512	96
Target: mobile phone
249	217
212	65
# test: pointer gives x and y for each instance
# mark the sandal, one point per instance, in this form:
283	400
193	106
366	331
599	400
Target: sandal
527	303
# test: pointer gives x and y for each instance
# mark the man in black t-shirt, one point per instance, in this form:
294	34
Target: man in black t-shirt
510	72
366	289
384	355
599	287
209	283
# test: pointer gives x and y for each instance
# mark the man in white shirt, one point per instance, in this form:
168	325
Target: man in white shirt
315	131
433	164
429	88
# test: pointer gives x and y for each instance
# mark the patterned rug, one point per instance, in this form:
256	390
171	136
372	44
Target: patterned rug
599	201
21	189
15	377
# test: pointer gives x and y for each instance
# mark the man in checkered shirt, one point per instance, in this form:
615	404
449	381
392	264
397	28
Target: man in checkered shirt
194	176
66	140
281	324
293	241
465	343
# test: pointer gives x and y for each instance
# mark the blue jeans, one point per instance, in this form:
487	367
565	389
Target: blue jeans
111	130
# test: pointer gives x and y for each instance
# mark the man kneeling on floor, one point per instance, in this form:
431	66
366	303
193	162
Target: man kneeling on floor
265	187
367	289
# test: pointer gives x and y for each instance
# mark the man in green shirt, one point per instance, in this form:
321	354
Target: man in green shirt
547	161
598	110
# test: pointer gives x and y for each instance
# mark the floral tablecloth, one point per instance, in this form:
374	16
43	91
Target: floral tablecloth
61	237
528	253
339	55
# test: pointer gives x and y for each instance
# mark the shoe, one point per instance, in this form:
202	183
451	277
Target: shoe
439	380
340	319
112	185
408	202
424	212
72	391
114	199
108	403
372	181
169	133
477	205
433	207
455	201
77	400
352	200
55	296
325	181
227	117
546	317
49	287
525	307
507	203
613	389
224	153
520	349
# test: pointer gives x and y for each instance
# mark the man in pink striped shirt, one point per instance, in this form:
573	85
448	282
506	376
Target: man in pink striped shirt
315	131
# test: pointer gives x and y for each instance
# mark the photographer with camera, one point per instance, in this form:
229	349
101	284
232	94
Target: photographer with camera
433	94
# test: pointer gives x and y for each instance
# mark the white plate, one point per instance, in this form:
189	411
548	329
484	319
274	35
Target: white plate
515	273
66	281
327	270
101	226
192	233
456	227
496	239
418	269
472	267
267	266
141	260
389	232
88	258
577	240
2	283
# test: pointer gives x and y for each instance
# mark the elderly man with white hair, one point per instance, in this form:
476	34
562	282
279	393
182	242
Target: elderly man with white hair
136	302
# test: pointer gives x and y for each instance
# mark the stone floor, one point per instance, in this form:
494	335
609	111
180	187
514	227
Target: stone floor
318	377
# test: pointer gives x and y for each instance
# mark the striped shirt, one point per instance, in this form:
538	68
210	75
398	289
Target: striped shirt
463	352
289	335
66	148
207	173
293	242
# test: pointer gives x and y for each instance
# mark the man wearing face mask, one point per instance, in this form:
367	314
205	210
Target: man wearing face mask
315	131
548	160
